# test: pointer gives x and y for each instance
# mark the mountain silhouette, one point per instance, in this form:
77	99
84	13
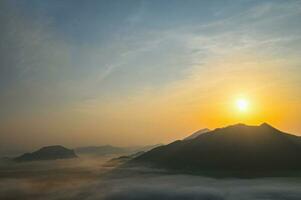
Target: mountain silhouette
196	134
236	147
48	153
122	159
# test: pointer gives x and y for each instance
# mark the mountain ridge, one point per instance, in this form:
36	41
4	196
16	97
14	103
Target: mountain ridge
197	133
235	147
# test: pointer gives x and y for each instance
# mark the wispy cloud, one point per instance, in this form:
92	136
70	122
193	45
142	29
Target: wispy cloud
139	58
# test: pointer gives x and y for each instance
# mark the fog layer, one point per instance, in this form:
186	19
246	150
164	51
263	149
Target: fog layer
89	179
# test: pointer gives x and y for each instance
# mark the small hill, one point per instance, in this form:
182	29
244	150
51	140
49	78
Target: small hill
236	147
48	153
196	134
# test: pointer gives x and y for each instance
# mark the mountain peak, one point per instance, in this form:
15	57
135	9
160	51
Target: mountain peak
242	125
264	124
267	126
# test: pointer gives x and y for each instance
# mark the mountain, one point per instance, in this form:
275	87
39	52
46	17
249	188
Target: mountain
238	147
100	150
110	150
196	134
48	153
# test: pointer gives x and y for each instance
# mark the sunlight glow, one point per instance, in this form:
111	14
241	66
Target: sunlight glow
242	105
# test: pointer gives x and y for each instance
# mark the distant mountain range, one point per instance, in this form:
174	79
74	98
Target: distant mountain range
48	153
110	150
236	147
59	152
100	150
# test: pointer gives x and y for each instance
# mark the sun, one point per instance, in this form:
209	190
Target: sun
242	104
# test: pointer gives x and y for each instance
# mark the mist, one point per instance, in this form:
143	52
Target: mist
91	179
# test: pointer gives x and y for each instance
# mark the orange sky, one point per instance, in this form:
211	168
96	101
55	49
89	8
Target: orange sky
146	73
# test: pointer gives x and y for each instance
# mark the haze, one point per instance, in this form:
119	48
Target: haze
144	72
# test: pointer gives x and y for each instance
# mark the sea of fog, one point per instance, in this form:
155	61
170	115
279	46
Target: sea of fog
90	178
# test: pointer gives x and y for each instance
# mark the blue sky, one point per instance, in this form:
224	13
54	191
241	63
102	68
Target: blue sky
59	58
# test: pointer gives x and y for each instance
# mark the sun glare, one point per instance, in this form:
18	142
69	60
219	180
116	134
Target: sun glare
242	105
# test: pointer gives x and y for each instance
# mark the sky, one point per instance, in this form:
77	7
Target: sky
144	72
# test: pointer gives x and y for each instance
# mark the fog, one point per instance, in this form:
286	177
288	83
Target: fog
89	178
